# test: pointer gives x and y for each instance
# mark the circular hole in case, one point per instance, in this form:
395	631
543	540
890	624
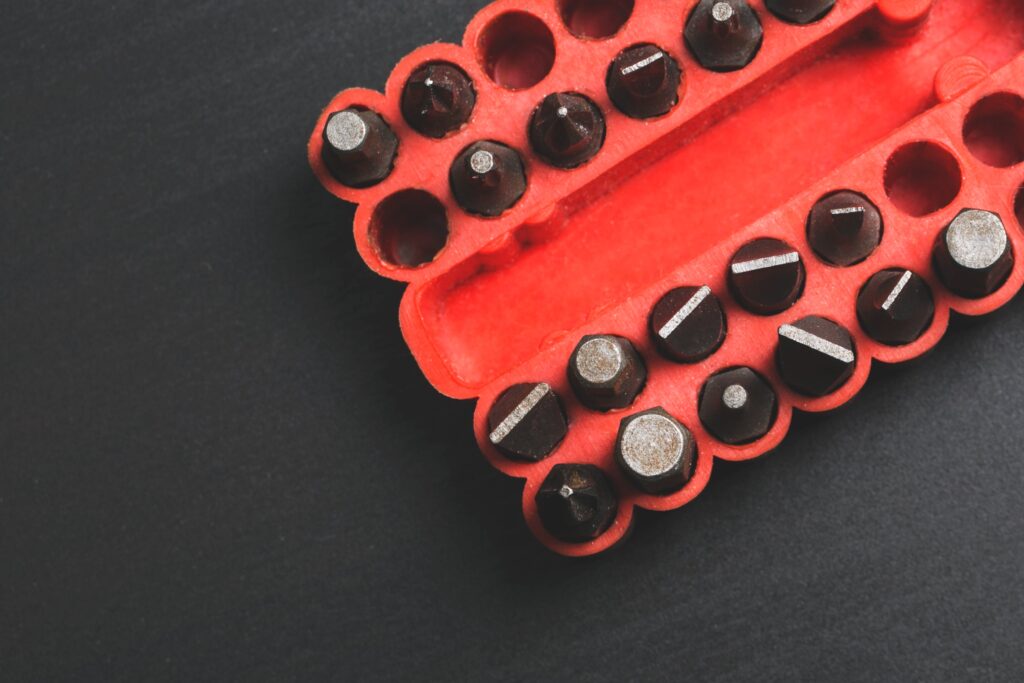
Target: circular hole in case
922	178
595	19
409	229
994	130
516	50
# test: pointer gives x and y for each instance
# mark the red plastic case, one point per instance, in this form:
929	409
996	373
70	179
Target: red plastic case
862	100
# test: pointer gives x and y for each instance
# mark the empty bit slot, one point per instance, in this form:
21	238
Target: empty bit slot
517	50
595	19
922	178
409	229
994	130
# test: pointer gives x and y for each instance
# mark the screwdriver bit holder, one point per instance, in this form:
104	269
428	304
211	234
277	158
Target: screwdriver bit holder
914	107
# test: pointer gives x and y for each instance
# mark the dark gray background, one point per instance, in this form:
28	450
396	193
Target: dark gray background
218	461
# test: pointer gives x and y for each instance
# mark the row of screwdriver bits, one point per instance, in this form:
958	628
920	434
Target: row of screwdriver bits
814	355
566	129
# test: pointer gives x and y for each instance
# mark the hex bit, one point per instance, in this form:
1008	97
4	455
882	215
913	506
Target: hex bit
359	147
973	255
737	406
606	372
656	451
488	178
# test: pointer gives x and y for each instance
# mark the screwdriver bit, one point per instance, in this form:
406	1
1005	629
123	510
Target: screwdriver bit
527	422
359	147
800	12
488	178
724	35
687	324
973	255
606	372
438	99
655	451
576	503
567	130
737	406
767	276
844	228
643	82
815	356
895	307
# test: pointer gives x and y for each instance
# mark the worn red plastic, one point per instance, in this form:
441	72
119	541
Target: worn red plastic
866	99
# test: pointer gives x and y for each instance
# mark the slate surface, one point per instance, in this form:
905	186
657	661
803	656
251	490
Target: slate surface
218	461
